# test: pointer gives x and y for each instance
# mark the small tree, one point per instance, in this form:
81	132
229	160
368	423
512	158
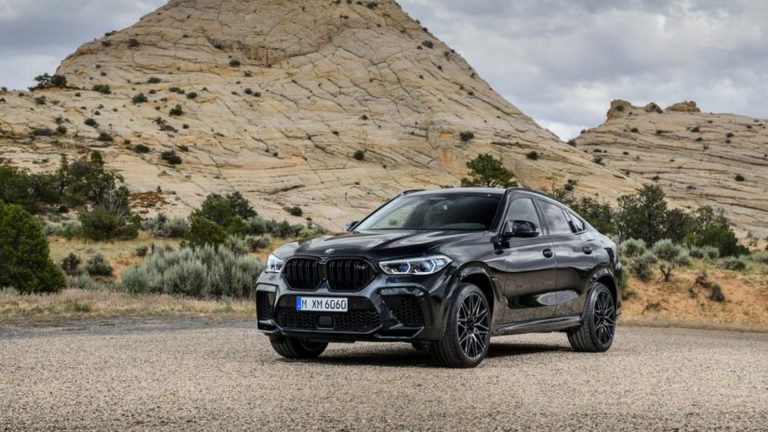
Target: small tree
486	170
24	255
204	231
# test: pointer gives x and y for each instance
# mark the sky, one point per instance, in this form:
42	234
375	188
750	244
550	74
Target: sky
559	61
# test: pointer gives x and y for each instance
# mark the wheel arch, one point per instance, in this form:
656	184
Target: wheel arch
605	276
478	276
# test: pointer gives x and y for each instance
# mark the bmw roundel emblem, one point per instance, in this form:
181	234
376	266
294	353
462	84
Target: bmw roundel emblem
329	251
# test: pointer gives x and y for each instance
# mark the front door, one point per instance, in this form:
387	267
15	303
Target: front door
529	268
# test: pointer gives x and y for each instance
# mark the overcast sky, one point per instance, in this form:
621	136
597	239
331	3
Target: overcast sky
559	61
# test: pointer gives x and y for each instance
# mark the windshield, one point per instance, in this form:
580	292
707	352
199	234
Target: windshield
450	211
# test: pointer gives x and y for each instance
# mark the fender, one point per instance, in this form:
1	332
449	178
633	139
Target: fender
473	272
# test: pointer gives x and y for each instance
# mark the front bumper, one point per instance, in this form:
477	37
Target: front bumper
390	308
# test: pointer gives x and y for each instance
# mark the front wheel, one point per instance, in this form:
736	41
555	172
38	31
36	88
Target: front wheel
295	348
599	323
467	332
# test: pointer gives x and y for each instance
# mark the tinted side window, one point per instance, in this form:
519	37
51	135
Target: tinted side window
578	224
558	224
523	209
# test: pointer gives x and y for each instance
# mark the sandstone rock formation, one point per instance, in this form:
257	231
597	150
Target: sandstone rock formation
698	158
275	98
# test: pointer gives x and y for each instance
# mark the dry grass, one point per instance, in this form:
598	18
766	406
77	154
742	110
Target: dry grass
76	304
681	303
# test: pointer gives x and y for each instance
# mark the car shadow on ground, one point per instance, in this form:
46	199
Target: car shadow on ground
400	356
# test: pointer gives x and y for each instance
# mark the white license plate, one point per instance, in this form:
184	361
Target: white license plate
321	304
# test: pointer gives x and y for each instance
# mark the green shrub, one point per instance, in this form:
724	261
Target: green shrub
257	243
85	282
66	229
295	211
142	251
91	122
359	155
41	100
166	227
733	263
739	178
171	157
140	99
46	80
8	292
71	264
666	250
632	248
759	257
705	252
235	63
141	149
24	255
102	88
191	95
61	130
176	111
466	136
204	231
532	155
486	170
133	43
716	293
642	266
228	211
110	219
205	271
99	266
154	80
105	137
43	132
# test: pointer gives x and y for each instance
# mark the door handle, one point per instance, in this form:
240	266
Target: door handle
587	250
548	253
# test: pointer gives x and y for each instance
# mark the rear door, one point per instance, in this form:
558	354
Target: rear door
529	268
573	248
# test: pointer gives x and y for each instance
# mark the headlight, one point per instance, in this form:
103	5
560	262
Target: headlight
416	266
274	264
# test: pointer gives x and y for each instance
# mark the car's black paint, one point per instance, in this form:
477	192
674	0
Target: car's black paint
537	283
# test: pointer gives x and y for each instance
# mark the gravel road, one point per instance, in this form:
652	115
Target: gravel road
202	376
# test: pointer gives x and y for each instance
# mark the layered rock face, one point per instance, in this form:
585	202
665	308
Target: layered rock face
698	158
332	106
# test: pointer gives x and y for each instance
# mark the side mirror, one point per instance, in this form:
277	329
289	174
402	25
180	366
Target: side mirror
350	226
521	229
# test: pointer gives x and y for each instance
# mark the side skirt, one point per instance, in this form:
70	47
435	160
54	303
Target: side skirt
539	326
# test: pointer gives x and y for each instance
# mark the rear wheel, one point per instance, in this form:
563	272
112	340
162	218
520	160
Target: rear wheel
295	348
599	324
467	333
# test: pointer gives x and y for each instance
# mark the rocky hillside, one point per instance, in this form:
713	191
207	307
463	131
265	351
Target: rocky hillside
329	105
698	158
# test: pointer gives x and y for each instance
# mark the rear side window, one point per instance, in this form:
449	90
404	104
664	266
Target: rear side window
555	217
578	224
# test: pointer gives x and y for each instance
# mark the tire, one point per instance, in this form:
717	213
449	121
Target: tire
467	331
598	326
295	348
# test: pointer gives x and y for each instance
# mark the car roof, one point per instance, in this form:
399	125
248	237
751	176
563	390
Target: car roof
477	190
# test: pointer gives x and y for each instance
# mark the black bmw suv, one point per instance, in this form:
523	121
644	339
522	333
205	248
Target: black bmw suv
445	270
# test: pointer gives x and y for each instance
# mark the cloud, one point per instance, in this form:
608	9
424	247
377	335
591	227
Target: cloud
559	61
562	62
35	35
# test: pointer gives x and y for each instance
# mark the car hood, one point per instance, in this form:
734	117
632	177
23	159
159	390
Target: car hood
389	244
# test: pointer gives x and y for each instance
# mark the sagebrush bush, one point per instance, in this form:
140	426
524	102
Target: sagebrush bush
257	243
98	265
25	262
733	263
66	229
666	250
705	252
759	257
631	248
161	225
85	282
642	266
199	272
